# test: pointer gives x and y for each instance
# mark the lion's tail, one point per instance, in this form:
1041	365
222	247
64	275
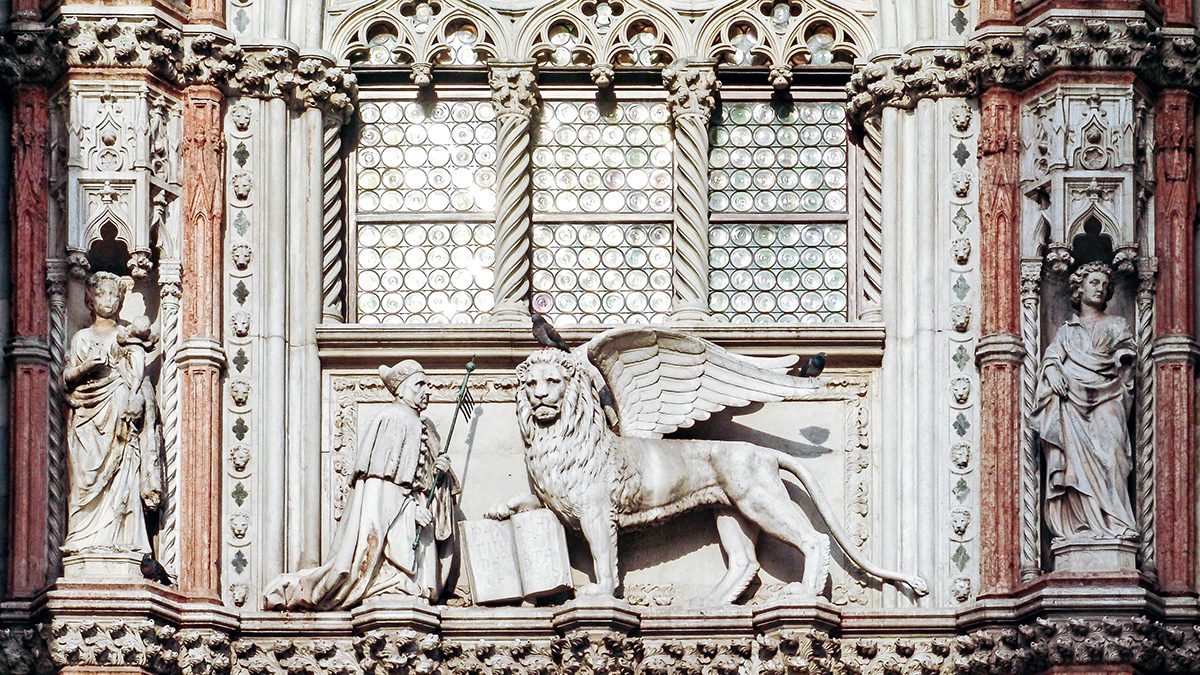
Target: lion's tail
797	469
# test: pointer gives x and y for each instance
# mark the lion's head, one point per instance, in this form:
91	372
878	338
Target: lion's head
562	422
553	391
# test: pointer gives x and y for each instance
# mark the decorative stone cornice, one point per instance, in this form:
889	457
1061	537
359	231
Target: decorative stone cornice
207	55
1027	648
30	53
1020	57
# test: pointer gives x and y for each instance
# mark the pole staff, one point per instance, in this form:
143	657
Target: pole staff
437	477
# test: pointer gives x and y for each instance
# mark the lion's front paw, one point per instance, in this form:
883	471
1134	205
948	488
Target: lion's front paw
919	587
498	512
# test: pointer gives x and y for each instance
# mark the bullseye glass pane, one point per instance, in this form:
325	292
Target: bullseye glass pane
770	157
427	158
778	273
602	273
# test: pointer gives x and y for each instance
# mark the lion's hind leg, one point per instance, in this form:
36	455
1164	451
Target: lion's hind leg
771	508
738	537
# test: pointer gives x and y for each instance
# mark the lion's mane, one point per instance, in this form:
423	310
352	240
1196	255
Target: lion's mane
573	452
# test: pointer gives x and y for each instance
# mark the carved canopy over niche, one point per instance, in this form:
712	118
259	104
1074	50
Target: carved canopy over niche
588	33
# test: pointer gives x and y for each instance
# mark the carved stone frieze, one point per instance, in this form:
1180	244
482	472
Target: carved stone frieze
32	53
1163	57
1031	647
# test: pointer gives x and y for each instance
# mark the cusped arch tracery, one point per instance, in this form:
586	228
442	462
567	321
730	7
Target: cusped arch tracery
783	33
421	31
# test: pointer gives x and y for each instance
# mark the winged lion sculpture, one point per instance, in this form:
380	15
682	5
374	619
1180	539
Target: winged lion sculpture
601	472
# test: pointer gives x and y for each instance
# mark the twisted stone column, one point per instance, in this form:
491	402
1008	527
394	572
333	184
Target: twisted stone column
333	225
872	225
1175	347
1031	504
56	512
1001	350
514	94
690	96
29	354
200	356
1144	415
168	404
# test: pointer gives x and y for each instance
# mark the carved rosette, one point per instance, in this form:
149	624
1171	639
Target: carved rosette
515	97
691	91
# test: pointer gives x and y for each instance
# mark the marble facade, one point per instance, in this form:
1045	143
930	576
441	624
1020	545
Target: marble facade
297	192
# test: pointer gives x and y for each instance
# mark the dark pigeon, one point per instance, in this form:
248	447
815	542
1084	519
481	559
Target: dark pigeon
813	366
154	571
546	335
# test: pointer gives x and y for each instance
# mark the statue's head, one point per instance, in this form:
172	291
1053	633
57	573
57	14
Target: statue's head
105	294
1095	278
407	382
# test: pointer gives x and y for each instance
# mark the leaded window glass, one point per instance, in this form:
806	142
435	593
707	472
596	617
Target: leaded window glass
425	199
602	201
779	249
603	161
770	157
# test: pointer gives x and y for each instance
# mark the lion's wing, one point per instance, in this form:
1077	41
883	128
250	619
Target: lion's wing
663	380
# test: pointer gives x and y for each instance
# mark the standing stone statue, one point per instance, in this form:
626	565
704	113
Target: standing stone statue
388	510
1084	396
113	444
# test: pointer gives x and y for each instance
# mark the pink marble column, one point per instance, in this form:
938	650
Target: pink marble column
29	562
200	357
1000	352
1175	343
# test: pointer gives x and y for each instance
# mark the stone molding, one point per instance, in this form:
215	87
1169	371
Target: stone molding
1017	57
159	646
36	53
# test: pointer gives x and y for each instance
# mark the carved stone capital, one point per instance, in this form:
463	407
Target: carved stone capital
28	350
1176	349
56	279
1031	279
999	347
691	89
514	87
200	353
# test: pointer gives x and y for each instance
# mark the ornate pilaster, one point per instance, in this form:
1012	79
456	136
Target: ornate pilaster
691	96
29	355
1031	504
333	224
1000	347
515	96
200	355
56	511
1175	345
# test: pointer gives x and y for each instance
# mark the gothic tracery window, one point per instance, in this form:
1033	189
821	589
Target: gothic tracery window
601	231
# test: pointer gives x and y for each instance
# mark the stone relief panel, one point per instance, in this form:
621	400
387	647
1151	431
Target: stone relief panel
963	378
660	569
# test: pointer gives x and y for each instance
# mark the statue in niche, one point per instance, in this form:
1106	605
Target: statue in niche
392	538
1084	397
599	474
113	442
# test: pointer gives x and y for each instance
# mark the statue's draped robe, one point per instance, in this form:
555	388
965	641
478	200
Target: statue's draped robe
1085	435
113	458
372	550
